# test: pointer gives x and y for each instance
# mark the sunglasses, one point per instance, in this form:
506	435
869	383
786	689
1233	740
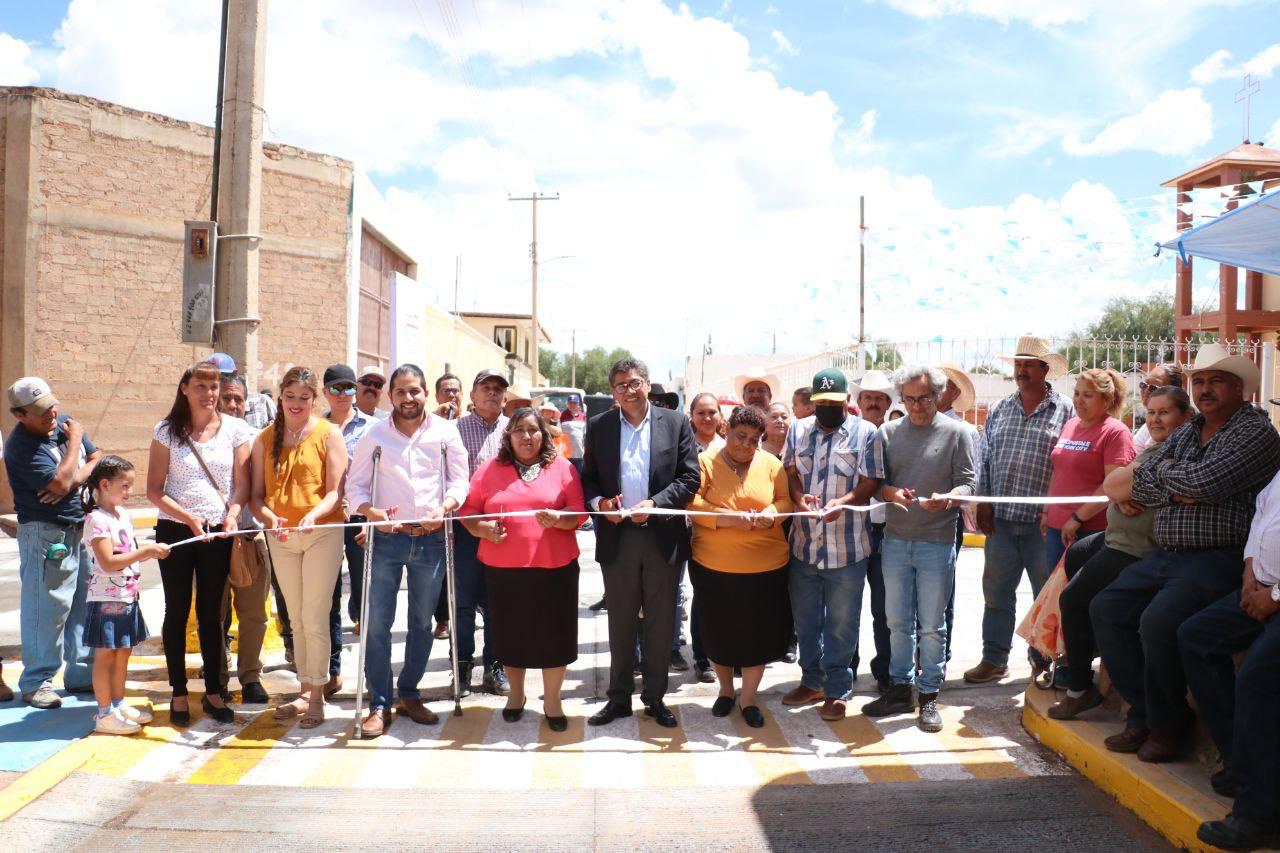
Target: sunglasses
342	390
372	383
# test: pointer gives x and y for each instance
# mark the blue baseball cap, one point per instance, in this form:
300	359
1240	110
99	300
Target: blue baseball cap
575	398
224	362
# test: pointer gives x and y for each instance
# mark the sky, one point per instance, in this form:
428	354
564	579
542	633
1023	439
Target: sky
710	155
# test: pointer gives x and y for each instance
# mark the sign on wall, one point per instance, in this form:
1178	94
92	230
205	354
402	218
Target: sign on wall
199	261
408	320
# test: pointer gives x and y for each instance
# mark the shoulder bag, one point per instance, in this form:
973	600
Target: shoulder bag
247	561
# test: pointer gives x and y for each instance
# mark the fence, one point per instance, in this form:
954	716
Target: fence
992	376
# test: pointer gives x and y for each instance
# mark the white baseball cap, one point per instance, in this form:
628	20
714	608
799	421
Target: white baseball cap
32	392
373	370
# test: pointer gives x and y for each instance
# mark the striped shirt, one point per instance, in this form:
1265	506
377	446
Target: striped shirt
1015	457
482	439
830	465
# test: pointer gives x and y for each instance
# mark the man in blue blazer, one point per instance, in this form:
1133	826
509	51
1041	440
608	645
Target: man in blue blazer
639	457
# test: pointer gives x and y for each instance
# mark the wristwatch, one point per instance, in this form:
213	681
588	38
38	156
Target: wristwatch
1275	593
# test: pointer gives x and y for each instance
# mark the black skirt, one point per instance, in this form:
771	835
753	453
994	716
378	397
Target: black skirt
744	619
533	615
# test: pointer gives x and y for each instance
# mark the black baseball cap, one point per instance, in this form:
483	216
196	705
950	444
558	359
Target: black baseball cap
490	374
339	373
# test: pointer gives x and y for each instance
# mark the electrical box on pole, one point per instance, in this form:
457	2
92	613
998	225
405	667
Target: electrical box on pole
199	261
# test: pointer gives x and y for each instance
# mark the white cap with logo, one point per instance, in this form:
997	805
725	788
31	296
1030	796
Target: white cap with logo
32	392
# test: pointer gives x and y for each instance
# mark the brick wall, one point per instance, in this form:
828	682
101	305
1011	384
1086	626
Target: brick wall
114	186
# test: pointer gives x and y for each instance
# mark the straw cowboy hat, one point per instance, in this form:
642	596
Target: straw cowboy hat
874	380
757	374
968	396
1030	346
1216	357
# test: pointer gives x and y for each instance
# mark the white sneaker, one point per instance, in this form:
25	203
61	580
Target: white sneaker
136	714
115	723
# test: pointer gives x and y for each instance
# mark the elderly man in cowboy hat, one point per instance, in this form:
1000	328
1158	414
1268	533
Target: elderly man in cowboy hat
1021	431
756	388
1203	483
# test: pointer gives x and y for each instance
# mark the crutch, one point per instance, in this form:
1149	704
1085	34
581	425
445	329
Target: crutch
364	594
450	585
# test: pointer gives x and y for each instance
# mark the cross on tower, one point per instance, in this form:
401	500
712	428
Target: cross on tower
1251	88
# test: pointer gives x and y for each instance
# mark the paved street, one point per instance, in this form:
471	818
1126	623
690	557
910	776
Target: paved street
476	782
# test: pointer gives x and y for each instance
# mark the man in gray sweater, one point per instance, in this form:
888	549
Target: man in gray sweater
925	453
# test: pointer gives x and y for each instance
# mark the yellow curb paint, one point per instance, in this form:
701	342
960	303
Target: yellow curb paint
767	749
451	764
241	752
1170	806
559	760
876	758
33	784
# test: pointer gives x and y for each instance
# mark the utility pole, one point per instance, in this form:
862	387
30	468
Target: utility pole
573	360
535	197
862	271
457	273
240	185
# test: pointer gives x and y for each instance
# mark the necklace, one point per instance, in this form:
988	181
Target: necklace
296	434
740	470
529	473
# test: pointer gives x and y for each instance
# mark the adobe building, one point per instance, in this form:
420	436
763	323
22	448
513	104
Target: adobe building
93	197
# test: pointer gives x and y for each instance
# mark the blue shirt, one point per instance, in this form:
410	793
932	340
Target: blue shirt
31	461
633	459
353	430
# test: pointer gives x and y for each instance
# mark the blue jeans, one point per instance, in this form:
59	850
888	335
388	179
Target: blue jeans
1136	621
469	595
918	581
1015	546
827	606
53	605
423	557
879	623
1054	549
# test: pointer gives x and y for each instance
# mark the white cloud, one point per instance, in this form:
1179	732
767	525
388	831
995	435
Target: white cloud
696	189
15	62
783	43
1217	66
1273	138
1177	122
1054	13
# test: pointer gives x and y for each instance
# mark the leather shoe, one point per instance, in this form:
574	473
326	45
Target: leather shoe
722	706
333	685
558	724
833	709
985	672
608	714
416	711
1238	833
378	721
801	695
1224	784
752	716
1161	747
513	715
1071	707
222	714
254	693
1129	740
661	715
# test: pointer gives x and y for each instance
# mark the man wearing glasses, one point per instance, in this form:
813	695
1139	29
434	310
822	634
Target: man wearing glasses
340	393
638	458
370	382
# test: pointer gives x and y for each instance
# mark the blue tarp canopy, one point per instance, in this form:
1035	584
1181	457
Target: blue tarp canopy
1247	237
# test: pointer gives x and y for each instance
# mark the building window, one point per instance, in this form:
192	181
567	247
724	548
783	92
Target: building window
378	265
505	337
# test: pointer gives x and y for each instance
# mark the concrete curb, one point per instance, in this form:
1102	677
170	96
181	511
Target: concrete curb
1159	797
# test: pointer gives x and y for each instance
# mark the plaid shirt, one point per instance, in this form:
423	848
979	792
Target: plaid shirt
481	440
1015	456
1223	477
829	466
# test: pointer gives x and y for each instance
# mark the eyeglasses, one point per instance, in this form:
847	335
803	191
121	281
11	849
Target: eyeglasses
922	400
372	383
1144	385
632	385
342	390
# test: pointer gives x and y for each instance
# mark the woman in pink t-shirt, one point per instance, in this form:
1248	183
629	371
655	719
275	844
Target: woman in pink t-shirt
530	561
1092	445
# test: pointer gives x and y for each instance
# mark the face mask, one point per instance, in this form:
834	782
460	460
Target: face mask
829	417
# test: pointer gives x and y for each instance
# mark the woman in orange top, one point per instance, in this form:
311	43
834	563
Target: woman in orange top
298	463
739	564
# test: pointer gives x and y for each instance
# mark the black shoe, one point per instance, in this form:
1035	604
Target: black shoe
495	680
464	679
254	693
678	663
883	685
930	720
752	717
1224	783
513	715
897	701
722	706
558	724
791	654
222	715
705	674
180	718
599	605
661	715
225	693
1238	833
608	714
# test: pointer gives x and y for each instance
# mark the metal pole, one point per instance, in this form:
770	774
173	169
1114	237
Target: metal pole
862	271
364	595
451	586
534	254
217	114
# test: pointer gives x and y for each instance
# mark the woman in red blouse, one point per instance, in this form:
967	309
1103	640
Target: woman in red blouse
530	561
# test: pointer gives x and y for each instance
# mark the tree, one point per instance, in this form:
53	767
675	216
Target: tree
1143	328
592	373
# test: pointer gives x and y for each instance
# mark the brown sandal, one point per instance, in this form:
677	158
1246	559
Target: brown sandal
287	711
311	720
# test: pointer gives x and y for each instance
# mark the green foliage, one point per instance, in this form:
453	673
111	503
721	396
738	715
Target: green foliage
592	368
1135	320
